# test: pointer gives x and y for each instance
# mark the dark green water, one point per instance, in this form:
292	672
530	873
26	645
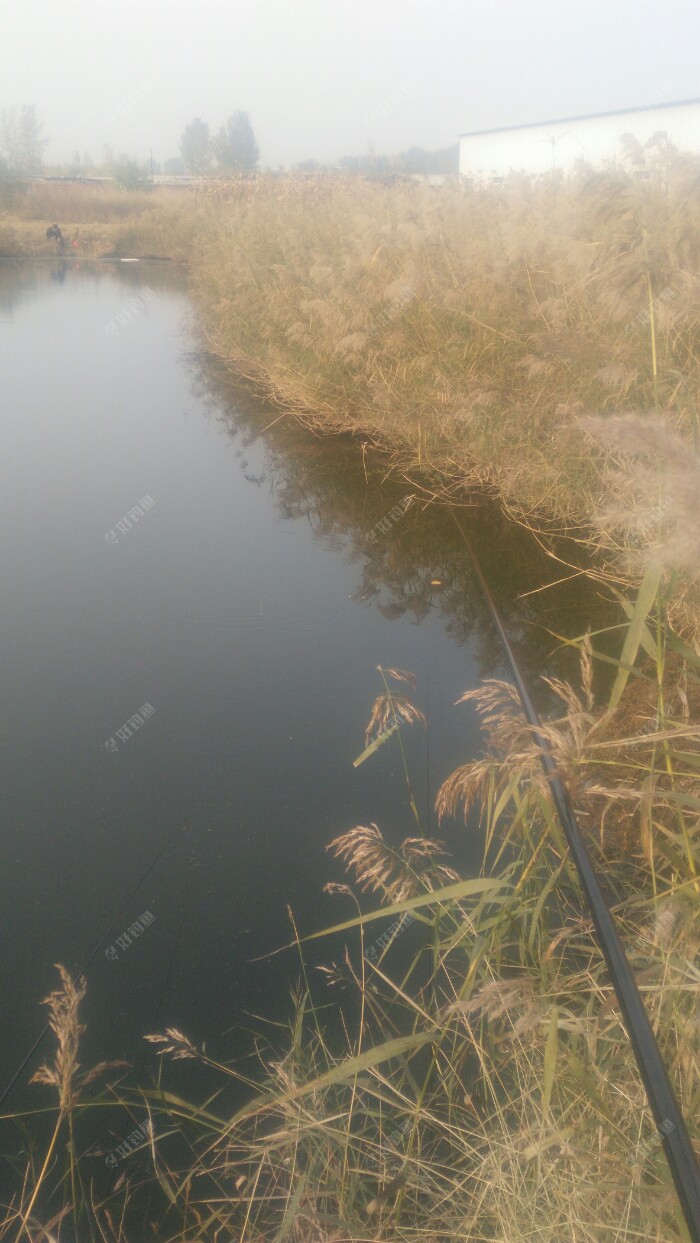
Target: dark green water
248	607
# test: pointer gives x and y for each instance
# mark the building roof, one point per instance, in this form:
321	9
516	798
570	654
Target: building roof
589	116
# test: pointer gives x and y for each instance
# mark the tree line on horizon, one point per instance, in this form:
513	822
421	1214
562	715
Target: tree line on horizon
21	141
233	149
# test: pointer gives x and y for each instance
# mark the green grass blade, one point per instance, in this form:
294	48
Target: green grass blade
344	1072
376	743
461	889
291	1210
550	1062
646	640
644	603
682	648
544	894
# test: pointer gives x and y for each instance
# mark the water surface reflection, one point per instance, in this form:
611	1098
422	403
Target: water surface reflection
248	607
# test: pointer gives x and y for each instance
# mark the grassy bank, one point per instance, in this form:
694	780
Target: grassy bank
530	339
96	221
470	328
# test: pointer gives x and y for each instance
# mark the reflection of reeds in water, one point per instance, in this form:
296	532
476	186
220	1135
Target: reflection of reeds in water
419	568
583	300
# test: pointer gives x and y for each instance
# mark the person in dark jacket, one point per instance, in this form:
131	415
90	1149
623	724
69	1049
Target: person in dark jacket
54	234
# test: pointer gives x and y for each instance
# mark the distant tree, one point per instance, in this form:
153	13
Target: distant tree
21	144
415	160
309	166
9	186
418	160
174	167
235	147
129	174
195	146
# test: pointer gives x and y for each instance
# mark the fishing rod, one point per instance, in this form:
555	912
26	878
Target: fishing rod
660	1094
87	962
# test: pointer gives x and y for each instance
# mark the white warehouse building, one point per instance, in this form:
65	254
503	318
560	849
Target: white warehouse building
540	146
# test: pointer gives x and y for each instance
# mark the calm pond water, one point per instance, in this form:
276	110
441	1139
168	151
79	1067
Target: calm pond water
242	614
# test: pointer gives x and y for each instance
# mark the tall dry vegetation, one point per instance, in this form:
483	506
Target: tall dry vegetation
101	220
485	1088
475	333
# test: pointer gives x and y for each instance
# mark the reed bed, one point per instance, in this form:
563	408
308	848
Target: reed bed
469	313
483	336
97	221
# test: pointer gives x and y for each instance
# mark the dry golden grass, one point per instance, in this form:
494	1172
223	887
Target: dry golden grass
21	1217
462	325
98	221
513	755
82	204
652	510
395	873
63	1004
484	336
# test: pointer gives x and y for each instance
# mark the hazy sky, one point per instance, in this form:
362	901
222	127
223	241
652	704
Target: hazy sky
325	78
